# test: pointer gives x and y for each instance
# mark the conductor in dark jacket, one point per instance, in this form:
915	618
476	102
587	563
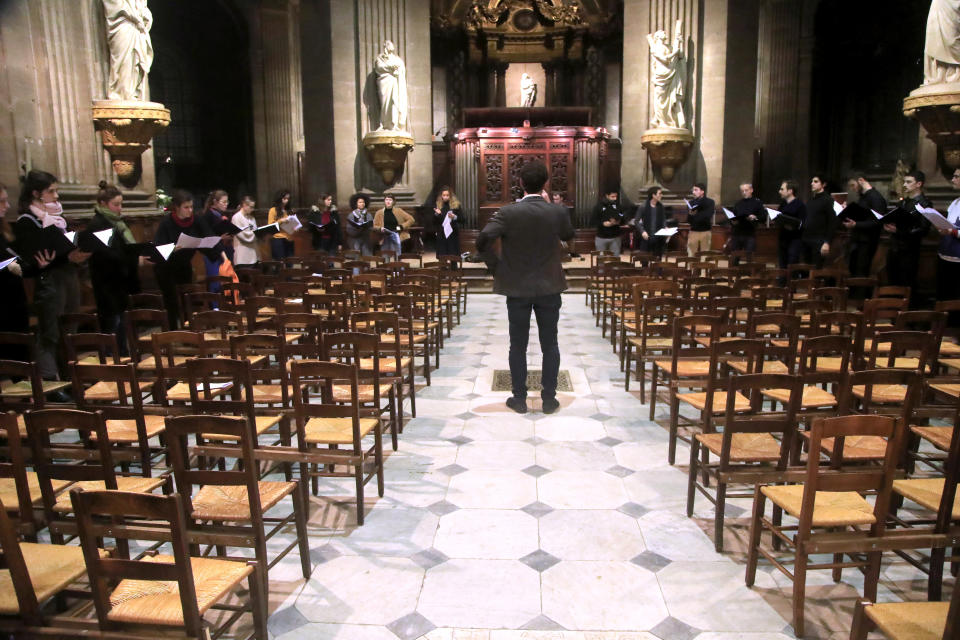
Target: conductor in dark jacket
530	275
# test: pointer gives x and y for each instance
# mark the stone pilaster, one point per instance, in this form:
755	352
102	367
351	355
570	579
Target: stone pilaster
277	103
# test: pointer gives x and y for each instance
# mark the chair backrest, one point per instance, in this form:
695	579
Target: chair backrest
79	323
856	477
194	301
873	385
810	366
836	297
755	420
881	311
146	300
892	291
25	394
686	330
221	321
24	343
14	467
103	345
327	305
92	508
313	382
220	386
139	323
901	343
273	350
780	333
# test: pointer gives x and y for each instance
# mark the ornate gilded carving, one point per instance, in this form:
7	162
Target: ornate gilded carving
527	146
667	149
126	129
515	162
559	165
937	108
493	166
387	152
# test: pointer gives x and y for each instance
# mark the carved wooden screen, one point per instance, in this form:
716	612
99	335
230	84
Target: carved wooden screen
501	160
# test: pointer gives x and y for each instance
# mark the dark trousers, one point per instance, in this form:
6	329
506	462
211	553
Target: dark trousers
811	252
113	323
547	310
948	287
281	248
747	244
902	265
859	261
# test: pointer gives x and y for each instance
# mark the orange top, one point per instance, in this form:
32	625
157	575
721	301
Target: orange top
272	217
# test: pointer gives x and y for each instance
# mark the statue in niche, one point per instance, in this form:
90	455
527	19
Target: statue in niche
942	50
131	51
392	89
528	91
668	71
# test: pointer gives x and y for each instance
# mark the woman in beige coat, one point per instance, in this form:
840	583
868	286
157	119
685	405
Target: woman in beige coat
393	223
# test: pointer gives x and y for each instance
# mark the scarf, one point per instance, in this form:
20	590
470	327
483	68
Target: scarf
50	214
118	224
183	223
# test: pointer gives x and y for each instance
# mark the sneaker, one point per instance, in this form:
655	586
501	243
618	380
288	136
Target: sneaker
517	404
550	405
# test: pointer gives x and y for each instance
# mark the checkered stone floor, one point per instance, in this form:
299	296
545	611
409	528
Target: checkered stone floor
498	526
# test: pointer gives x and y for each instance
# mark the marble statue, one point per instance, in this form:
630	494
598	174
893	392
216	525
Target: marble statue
942	50
668	71
131	51
392	88
528	91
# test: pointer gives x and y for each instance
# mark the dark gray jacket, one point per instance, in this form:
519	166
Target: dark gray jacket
531	258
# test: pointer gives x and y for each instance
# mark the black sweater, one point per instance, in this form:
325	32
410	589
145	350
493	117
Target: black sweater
910	235
821	219
607	210
742	210
701	214
114	272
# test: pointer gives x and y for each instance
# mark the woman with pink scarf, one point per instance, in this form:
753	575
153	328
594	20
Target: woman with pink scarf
56	289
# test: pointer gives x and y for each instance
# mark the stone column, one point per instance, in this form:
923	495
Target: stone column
55	66
359	28
501	69
277	99
466	159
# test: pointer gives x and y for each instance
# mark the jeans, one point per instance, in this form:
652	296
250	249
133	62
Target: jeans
607	244
547	310
281	248
362	245
390	243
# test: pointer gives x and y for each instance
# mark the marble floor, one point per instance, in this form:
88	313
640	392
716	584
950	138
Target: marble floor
496	526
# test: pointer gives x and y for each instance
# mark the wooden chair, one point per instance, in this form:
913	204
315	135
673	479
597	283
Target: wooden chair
688	367
376	397
34	576
424	318
747	450
412	342
393	365
652	337
908	620
21	388
146	300
140	323
260	309
830	499
19	487
78	457
92	348
117	392
224	503
779	332
327	424
155	594
171	350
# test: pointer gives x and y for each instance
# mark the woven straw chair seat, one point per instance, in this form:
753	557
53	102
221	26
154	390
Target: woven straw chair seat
336	430
705	341
744	447
653	343
130	484
927	492
52	568
830	508
268	393
261	424
937	436
883	347
341	392
95	359
687	368
767	366
829	364
910	620
775	304
857	448
950	363
698	400
779	342
158	602
883	393
768	328
8	490
389	338
421	325
125	431
902	363
180	392
952	390
150	363
104	391
813	397
387	365
230	503
266	312
949	348
23	389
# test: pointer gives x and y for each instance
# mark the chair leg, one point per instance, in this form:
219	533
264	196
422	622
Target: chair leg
378	460
393	420
861	623
935	580
301	508
413	397
258	604
692	476
872	578
358	476
653	390
674	427
753	551
625	366
799	591
719	515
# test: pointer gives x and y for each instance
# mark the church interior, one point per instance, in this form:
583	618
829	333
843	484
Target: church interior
269	269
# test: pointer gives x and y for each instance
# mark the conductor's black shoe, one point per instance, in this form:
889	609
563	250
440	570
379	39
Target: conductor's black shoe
550	405
517	404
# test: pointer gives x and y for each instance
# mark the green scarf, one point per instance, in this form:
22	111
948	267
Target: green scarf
118	224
